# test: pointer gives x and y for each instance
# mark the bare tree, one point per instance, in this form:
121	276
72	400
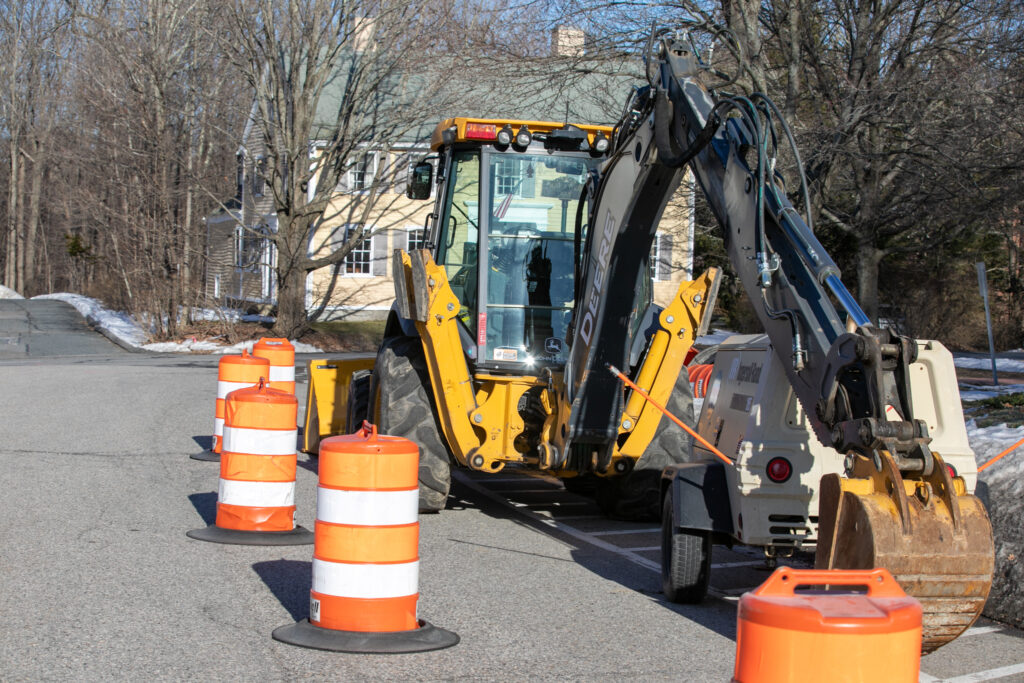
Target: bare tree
333	80
160	114
34	38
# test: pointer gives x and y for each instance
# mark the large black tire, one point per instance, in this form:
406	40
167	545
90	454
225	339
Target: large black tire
357	407
402	404
685	559
637	496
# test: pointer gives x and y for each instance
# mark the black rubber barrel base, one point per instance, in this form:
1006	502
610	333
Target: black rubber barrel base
423	639
215	534
206	456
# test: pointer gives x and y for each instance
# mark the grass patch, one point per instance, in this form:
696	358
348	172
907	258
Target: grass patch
340	335
1007	409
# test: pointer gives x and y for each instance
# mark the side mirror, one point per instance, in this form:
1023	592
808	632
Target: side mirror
420	179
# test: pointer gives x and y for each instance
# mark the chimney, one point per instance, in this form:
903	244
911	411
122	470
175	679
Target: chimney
363	30
567	41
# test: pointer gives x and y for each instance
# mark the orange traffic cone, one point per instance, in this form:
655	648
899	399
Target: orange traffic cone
256	500
785	635
366	554
281	356
233	372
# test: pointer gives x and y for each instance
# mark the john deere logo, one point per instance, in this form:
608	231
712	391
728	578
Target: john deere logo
553	345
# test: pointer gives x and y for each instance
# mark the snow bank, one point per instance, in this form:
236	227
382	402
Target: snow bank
8	293
1002	364
126	329
120	325
1001	487
189	346
979	392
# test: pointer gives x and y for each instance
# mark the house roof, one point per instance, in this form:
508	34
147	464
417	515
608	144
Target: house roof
550	89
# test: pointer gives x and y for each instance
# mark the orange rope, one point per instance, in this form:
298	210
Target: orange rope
1001	455
615	371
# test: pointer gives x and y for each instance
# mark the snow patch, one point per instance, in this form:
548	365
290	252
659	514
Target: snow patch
120	325
988	442
979	392
713	337
8	293
128	330
1002	364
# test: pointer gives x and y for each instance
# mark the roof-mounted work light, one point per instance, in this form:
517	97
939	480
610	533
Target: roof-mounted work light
505	135
523	137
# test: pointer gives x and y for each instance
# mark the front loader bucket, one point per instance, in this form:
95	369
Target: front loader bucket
933	537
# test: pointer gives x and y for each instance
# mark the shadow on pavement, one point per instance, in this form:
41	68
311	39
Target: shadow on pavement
206	505
289	581
310	463
715	615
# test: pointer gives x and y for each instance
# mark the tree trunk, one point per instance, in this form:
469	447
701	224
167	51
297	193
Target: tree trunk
10	264
291	303
32	224
868	260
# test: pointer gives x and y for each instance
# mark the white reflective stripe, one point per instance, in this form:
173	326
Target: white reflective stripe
260	441
366	580
263	494
282	373
218	426
367	508
225	388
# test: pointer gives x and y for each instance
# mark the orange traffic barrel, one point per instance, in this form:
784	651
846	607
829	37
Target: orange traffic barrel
699	377
281	355
828	625
256	498
233	372
366	554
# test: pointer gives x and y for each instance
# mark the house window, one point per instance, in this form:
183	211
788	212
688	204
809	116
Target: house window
357	262
655	265
259	180
249	246
508	177
417	239
361	172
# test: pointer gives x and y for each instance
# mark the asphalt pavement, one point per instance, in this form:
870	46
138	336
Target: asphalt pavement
42	328
101	583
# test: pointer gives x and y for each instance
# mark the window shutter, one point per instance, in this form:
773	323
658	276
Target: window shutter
528	183
371	168
401	240
379	254
664	256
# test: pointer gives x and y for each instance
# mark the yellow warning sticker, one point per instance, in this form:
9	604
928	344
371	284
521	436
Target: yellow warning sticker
506	353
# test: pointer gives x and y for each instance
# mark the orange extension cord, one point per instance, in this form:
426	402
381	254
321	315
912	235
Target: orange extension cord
1001	455
618	373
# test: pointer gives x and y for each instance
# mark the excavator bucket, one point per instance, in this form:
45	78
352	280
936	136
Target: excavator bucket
927	531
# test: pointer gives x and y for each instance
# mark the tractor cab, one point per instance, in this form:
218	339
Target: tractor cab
503	228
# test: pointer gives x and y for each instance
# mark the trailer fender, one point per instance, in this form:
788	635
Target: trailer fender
700	496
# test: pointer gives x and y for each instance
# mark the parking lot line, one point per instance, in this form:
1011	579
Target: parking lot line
557	524
614	532
730	565
981	630
976	677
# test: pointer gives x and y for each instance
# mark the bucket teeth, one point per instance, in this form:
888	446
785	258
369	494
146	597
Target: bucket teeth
939	549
